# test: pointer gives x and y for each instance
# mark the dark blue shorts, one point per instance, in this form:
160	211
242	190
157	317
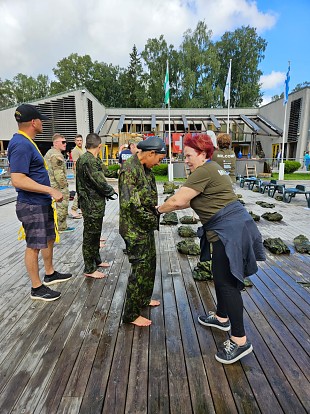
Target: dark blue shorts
38	223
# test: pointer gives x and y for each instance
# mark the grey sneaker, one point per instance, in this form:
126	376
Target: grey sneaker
231	352
212	321
56	277
44	293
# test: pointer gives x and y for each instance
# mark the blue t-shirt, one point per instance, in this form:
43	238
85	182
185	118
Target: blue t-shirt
24	158
124	155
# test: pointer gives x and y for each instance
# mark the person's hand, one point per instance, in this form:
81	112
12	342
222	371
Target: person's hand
57	195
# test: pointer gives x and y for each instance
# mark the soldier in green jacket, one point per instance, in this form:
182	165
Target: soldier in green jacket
93	190
138	220
58	177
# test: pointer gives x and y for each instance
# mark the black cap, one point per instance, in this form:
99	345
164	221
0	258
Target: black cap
153	143
26	113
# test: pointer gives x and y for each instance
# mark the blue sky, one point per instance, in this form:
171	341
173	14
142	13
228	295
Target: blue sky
288	40
36	34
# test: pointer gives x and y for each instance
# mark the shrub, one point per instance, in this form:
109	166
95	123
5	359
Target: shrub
111	171
113	167
161	169
291	166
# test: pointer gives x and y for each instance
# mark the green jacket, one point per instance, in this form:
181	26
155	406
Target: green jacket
91	184
137	198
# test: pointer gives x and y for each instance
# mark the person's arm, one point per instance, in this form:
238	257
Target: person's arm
60	173
180	200
96	179
25	183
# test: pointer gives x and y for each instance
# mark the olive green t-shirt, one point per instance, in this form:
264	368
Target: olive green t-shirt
226	158
215	189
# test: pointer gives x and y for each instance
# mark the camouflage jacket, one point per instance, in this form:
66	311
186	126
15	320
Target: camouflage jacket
137	198
56	168
91	184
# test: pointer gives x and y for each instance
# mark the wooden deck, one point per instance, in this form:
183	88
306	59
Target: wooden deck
71	355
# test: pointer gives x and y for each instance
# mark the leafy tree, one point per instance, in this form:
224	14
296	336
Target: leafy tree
199	66
301	86
155	55
72	72
7	97
246	49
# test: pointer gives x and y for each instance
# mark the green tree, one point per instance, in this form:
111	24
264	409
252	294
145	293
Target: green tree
301	86
246	49
133	82
199	66
7	96
72	72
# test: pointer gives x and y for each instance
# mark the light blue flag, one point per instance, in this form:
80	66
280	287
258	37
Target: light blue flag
286	89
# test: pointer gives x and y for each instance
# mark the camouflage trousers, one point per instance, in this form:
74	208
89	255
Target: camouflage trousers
142	256
62	209
91	241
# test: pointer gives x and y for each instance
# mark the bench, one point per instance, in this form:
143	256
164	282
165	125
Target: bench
265	185
289	193
273	188
250	181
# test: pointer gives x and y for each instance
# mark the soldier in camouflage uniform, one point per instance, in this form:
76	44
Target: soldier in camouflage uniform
93	190
138	220
58	177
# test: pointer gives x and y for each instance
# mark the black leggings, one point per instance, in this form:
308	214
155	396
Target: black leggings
228	290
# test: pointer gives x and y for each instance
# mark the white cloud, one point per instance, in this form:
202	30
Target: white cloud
273	80
36	34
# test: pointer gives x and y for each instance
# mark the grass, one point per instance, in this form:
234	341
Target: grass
294	176
164	179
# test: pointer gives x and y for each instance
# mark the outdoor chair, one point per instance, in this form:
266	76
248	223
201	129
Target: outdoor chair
250	181
273	188
289	193
265	185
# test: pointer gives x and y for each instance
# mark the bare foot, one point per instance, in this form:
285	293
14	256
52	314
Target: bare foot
103	239
103	264
102	245
75	214
141	321
95	275
154	303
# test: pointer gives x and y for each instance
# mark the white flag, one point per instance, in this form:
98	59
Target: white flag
167	86
227	86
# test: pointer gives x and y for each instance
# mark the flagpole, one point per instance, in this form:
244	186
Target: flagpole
282	165
229	72
170	166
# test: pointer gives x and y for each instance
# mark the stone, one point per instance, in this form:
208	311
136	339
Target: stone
188	220
254	216
265	205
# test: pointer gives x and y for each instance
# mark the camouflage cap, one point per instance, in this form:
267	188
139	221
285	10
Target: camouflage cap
153	143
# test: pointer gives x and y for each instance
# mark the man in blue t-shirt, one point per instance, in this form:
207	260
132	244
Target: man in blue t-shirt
124	155
34	201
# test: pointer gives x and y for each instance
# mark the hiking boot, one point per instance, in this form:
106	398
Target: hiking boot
212	321
67	230
56	277
231	352
44	293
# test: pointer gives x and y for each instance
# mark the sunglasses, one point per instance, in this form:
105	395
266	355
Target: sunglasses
63	142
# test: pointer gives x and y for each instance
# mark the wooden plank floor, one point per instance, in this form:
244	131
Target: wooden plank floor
72	355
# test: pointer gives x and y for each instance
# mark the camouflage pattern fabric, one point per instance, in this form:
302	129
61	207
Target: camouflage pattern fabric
272	216
302	244
138	220
170	219
188	247
239	195
188	220
254	216
58	177
279	198
93	190
203	271
247	282
265	205
186	231
169	188
276	246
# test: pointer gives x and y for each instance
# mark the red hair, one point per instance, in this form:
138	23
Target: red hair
199	142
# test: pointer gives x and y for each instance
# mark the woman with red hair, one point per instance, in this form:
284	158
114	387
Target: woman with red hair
236	241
